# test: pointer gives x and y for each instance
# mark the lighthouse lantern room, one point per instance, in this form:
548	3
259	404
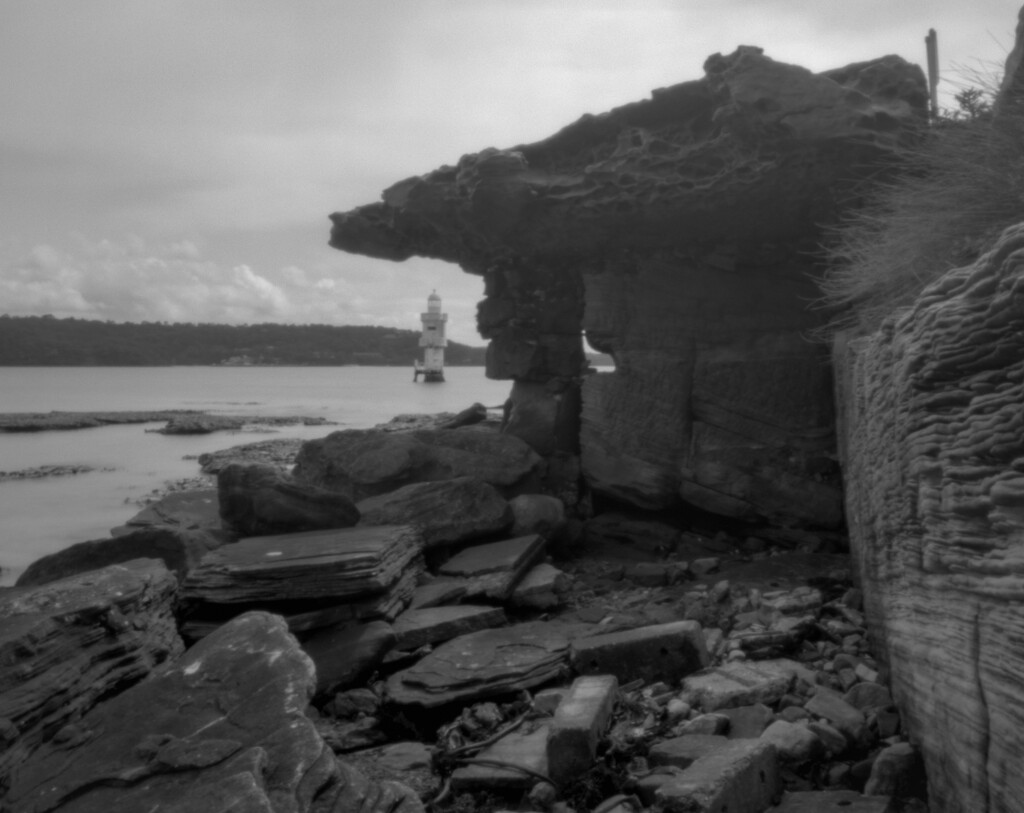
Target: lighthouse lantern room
432	341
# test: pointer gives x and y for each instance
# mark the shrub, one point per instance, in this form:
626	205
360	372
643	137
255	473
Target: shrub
959	188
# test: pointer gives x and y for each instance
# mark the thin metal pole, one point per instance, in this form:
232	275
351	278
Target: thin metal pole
932	44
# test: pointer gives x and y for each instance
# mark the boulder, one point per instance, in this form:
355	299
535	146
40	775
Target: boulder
68	644
361	463
223	728
932	428
257	500
446	511
677	233
179	549
344	655
537	514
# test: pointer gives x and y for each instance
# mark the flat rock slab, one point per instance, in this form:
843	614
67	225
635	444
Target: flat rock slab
432	625
658	652
345	655
739	777
446	512
523	749
224	728
193	509
485	664
832	801
739	684
436	594
66	644
494	570
541	587
344	563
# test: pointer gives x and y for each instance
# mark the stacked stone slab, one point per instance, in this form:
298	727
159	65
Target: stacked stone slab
337	575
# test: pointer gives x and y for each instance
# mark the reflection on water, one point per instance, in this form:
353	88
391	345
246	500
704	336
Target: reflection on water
45	515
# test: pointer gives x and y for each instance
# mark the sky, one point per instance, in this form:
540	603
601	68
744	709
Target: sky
176	160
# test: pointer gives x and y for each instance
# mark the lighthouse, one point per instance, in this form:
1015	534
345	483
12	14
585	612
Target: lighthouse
432	341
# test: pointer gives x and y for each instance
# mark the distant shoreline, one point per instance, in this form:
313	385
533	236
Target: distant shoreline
188	421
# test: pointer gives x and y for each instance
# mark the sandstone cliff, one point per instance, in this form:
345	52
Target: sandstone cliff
676	233
934	462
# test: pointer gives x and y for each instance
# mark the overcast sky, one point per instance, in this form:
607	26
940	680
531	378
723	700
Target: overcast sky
176	160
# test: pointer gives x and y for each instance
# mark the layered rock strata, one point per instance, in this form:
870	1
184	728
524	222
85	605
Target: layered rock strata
223	728
677	234
68	644
934	458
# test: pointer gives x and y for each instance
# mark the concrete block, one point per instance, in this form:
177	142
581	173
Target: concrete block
579	722
740	777
660	652
682	752
832	801
431	625
527	749
739	683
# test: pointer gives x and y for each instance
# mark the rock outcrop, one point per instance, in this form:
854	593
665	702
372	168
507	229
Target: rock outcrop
68	644
934	460
223	728
677	234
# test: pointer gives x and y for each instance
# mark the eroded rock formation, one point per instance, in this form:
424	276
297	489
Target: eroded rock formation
934	458
676	233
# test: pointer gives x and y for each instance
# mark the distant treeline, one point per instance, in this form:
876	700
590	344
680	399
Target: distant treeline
46	340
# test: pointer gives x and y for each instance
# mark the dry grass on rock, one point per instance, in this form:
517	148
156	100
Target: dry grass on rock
961	186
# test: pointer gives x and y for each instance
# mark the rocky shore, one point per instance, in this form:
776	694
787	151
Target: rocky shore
409	620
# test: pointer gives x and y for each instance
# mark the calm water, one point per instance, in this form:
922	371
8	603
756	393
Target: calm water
42	516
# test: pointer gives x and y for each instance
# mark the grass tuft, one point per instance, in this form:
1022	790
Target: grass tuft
958	189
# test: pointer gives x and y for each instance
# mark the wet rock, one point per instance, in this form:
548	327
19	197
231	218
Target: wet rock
363	463
446	512
224	728
69	643
258	500
196	509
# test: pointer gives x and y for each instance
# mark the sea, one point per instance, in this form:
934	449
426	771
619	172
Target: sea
130	463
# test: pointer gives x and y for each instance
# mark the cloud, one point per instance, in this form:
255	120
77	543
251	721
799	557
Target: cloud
131	280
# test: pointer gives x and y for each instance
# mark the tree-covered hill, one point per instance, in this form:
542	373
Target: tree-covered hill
46	340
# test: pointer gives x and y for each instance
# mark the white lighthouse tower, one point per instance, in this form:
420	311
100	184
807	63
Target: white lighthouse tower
432	341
